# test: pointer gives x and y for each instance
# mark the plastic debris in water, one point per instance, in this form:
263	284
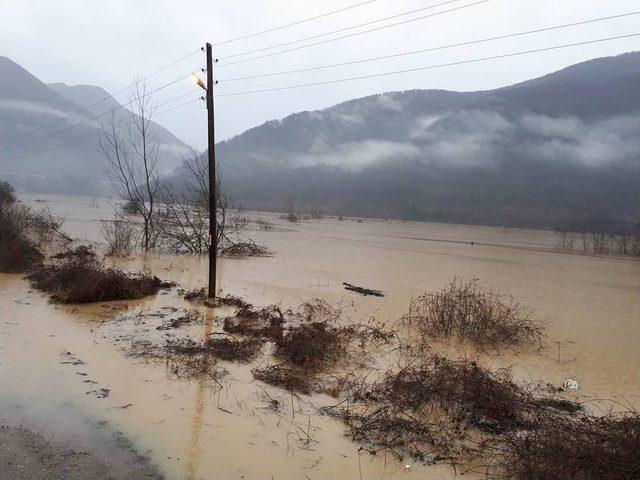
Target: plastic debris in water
571	383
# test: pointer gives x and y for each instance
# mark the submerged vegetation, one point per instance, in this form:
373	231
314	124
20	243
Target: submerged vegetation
409	401
170	218
24	233
469	312
439	409
596	241
77	276
183	359
424	405
577	448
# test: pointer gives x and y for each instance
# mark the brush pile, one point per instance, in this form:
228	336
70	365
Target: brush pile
77	276
470	313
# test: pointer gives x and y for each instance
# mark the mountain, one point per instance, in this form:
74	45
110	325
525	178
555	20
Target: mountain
88	96
51	154
560	149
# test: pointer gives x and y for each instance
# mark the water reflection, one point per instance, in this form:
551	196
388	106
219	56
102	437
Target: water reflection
194	449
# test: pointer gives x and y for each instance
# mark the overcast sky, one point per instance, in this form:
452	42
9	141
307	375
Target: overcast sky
107	43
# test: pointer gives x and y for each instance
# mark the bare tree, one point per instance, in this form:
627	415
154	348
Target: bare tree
291	214
132	153
184	221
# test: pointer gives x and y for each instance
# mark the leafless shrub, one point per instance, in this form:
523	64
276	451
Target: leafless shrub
392	430
315	341
7	195
465	310
313	346
316	213
318	310
467	391
185	216
76	276
119	235
247	248
23	232
264	224
18	251
582	448
291	215
435	408
266	323
46	225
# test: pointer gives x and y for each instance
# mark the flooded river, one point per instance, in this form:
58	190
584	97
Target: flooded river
63	369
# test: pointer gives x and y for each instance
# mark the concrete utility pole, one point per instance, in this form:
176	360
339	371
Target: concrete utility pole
213	218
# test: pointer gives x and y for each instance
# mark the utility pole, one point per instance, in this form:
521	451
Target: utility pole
213	217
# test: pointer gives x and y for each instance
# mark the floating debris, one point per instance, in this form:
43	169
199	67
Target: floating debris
362	290
571	384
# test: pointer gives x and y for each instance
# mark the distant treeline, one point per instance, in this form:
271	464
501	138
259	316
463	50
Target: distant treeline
600	243
524	194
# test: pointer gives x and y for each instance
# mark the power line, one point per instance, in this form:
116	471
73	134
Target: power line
182	58
432	49
92	118
298	22
339	30
430	67
88	135
342	37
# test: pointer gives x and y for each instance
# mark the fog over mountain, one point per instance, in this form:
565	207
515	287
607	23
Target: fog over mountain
69	161
557	150
561	148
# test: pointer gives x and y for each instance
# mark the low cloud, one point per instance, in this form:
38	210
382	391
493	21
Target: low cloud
595	143
31	108
353	155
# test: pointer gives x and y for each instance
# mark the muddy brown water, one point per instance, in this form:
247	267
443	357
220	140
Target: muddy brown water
191	429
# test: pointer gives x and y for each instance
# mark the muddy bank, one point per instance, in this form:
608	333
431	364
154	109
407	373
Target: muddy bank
27	455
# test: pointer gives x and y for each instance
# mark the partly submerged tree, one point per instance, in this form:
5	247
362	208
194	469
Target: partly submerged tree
184	223
131	152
